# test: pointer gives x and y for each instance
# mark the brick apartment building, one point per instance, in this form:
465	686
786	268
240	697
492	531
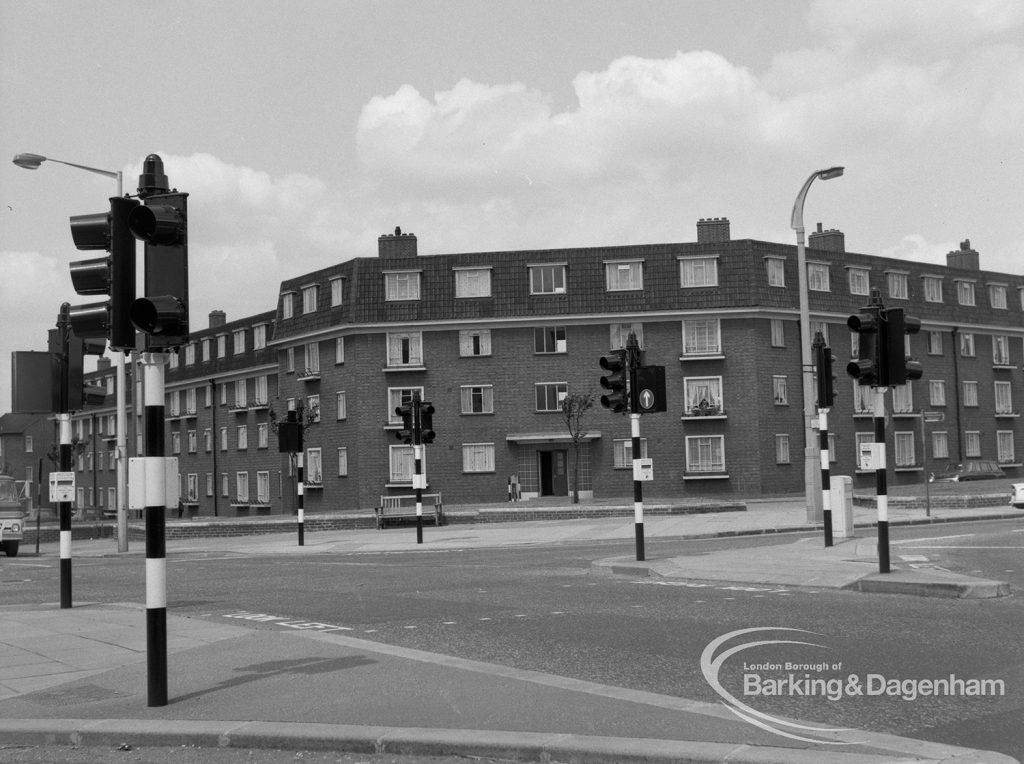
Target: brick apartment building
495	339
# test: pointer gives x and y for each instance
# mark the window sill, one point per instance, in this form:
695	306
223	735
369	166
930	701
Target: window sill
708	476
703	357
702	417
388	369
906	415
1007	415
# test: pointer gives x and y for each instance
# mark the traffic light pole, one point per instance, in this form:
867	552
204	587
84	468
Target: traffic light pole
880	480
64	453
300	498
638	486
156	553
417	454
826	478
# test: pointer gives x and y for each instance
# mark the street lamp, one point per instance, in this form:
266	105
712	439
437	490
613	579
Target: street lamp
811	454
32	162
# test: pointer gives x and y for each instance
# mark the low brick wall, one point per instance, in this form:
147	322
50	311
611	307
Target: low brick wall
942	501
520	512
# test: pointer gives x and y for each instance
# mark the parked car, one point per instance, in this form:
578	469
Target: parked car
977	470
1017	495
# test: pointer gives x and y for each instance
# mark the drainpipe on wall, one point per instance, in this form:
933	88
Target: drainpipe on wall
956	386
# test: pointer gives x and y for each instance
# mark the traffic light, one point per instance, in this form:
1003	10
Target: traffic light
901	368
650	389
427	422
163	225
867	368
406	433
826	379
113	275
80	394
614	382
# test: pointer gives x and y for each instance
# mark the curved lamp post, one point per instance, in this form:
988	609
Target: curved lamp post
811	454
32	162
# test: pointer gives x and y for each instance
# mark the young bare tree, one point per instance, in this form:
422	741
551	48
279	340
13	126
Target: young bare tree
574	407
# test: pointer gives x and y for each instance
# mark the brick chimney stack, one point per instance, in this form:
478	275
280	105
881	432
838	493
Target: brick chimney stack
965	258
712	230
218	318
832	240
397	245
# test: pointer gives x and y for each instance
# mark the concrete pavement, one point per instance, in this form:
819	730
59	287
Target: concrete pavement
79	674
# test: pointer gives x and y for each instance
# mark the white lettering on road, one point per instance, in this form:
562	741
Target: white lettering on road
289	623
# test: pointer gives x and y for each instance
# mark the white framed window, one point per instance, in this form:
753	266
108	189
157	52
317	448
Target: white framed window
206	348
399	396
478	457
225	484
698	271
936	392
311	357
965	292
967	344
208	440
243	437
223	438
1004	397
343	461
902	399
863	399
477	399
970	393
287	304
242	487
472	282
997	296
192	487
190	401
263	435
1001	350
259	336
780	390
261	397
776	271
903	445
548	278
238	339
190	354
313	407
619	335
263	487
782	448
550	394
209	484
405	349
704	395
778	333
341	405
339	350
622	452
817	277
859	279
173	404
193	441
222	345
402	463
337	291
402	285
314	470
289	360
241	399
934	343
310	293
624	275
549	339
474	342
972	444
940	445
701	336
1004	447
175	446
705	453
897	281
932	288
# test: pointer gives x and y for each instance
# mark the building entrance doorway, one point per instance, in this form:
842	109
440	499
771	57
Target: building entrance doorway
554	478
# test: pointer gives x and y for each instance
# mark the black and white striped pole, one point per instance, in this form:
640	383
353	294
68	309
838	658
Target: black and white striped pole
826	477
826	397
880	480
155	481
638	486
417	453
300	488
60	350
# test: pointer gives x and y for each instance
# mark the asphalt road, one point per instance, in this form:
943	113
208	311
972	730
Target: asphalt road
540	608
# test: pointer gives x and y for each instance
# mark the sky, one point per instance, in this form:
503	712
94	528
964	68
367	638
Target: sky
303	130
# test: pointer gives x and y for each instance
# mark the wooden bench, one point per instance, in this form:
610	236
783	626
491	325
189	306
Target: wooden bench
404	507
